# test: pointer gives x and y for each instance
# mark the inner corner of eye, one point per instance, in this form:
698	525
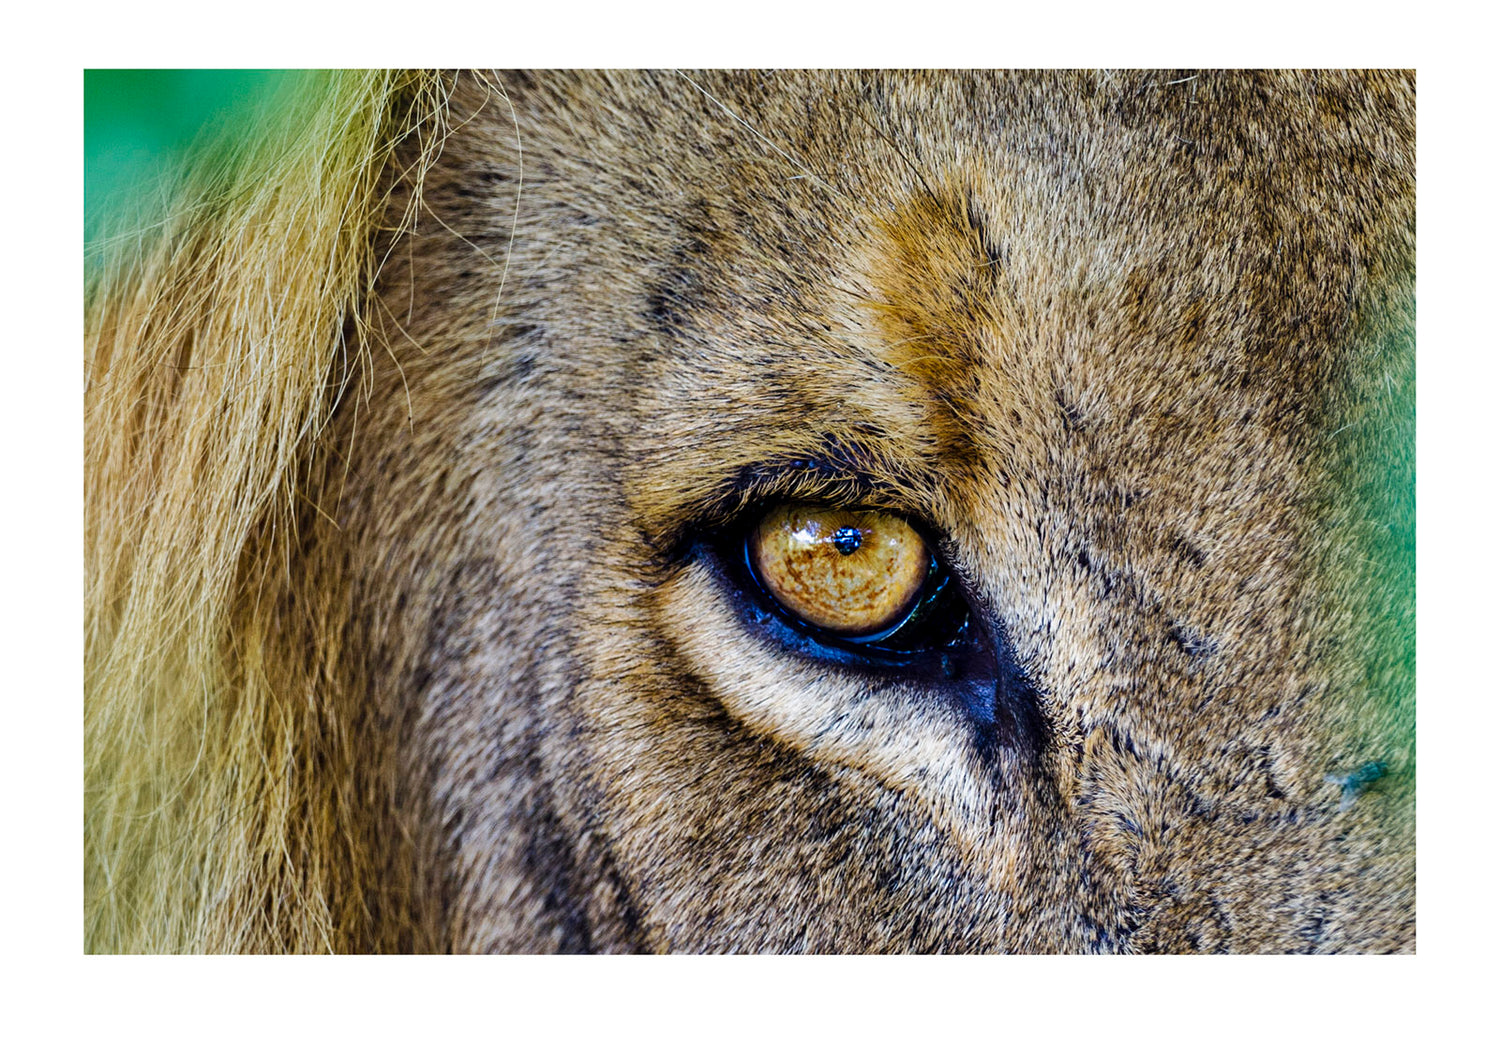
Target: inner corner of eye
851	572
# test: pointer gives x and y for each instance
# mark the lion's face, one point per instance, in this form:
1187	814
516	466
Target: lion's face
1131	361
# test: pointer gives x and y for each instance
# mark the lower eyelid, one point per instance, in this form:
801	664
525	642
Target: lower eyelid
927	739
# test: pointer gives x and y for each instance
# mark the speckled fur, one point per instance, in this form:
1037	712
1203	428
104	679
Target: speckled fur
1137	346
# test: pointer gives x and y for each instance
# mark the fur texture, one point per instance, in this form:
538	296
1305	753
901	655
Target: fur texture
407	439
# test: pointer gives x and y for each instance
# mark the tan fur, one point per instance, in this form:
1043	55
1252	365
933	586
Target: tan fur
404	631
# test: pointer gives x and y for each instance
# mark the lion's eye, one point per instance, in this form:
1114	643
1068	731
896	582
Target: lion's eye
850	573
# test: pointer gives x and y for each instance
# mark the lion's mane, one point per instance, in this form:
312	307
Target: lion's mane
219	336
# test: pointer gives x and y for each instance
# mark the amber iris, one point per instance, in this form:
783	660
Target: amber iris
853	573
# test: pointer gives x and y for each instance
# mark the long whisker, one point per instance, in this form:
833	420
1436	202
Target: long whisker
806	171
890	141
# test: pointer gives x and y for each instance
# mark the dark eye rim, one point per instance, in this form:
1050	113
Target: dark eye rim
941	631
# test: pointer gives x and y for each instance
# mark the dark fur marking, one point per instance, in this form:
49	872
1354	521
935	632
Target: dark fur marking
1018	722
679	288
1187	550
549	859
507	369
1268	766
1191	641
630	917
1072	416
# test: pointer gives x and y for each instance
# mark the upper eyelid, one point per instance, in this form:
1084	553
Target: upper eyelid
838	475
820	479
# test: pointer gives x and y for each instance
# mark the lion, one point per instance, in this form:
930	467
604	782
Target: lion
761	512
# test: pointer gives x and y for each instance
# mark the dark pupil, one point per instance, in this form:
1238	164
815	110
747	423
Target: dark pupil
846	539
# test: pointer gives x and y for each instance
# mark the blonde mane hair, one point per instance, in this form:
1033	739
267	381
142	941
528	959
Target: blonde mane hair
218	341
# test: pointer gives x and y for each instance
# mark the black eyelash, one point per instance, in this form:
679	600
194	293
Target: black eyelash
830	477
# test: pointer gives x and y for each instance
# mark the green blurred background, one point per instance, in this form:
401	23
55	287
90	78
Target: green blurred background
136	121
